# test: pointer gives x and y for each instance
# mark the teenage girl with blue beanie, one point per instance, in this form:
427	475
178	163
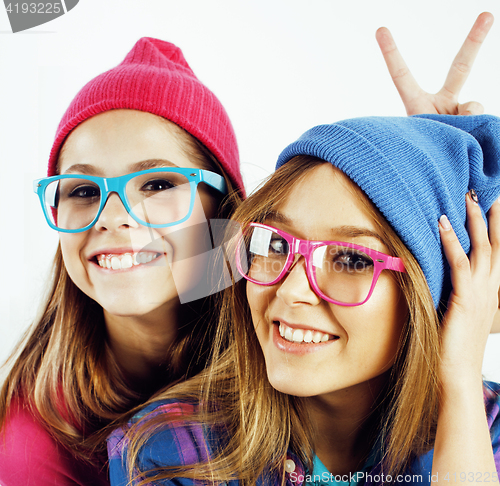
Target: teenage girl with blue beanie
103	346
143	158
356	338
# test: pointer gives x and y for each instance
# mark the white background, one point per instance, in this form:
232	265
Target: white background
278	66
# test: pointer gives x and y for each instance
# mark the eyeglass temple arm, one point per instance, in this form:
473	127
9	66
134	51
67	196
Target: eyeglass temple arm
396	264
36	185
214	180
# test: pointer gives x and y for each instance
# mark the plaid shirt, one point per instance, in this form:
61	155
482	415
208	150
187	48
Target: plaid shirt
182	443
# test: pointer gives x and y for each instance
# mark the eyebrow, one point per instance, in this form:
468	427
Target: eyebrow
356	232
151	164
82	169
277	217
344	231
89	169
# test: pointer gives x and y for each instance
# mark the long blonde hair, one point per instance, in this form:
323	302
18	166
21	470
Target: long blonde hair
64	369
261	424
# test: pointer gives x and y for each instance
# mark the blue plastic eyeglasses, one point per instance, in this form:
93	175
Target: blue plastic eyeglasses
156	198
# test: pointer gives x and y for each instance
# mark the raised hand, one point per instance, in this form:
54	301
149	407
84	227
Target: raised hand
496	320
463	442
474	299
445	101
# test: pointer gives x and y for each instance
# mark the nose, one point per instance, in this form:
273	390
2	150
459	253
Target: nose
114	216
295	288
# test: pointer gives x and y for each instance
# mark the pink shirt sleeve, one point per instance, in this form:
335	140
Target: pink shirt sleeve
30	456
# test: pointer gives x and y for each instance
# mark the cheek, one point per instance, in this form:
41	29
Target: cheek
70	248
389	316
399	309
259	298
190	238
186	241
375	327
205	205
192	262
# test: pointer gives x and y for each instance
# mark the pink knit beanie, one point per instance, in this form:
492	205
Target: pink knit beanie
155	78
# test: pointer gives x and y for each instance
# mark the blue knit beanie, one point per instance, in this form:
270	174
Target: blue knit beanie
414	170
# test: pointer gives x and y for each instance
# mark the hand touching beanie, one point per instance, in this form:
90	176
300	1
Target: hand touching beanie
155	78
414	170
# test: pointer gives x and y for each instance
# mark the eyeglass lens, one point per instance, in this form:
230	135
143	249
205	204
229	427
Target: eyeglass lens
155	198
343	274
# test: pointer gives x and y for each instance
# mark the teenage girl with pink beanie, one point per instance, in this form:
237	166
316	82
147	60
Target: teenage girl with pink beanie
143	158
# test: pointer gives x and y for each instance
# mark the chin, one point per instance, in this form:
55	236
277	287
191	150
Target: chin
128	310
131	305
289	384
306	384
294	389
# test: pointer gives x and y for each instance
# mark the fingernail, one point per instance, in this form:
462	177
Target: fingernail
445	222
473	196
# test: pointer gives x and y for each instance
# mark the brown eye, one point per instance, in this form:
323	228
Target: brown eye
85	192
279	246
349	260
157	185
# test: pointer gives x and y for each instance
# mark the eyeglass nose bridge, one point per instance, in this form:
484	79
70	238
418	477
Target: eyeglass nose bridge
302	247
112	185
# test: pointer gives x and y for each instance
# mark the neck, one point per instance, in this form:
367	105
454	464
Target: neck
140	344
342	423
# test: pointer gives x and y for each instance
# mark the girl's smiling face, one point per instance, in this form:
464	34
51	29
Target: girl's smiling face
112	144
363	340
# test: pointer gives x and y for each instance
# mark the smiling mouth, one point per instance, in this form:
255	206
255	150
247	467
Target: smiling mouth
303	336
125	260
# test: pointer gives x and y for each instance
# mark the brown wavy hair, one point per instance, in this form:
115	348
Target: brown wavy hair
64	370
261	424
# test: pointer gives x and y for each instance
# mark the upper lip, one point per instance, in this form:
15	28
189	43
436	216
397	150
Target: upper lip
302	326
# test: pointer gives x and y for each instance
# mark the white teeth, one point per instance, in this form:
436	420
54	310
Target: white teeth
298	336
127	260
145	257
308	336
115	263
316	337
303	335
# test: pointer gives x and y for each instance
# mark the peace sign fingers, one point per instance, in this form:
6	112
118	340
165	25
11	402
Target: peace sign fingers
462	64
415	99
410	92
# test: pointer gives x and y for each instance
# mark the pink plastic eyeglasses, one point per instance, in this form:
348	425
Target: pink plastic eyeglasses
339	272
